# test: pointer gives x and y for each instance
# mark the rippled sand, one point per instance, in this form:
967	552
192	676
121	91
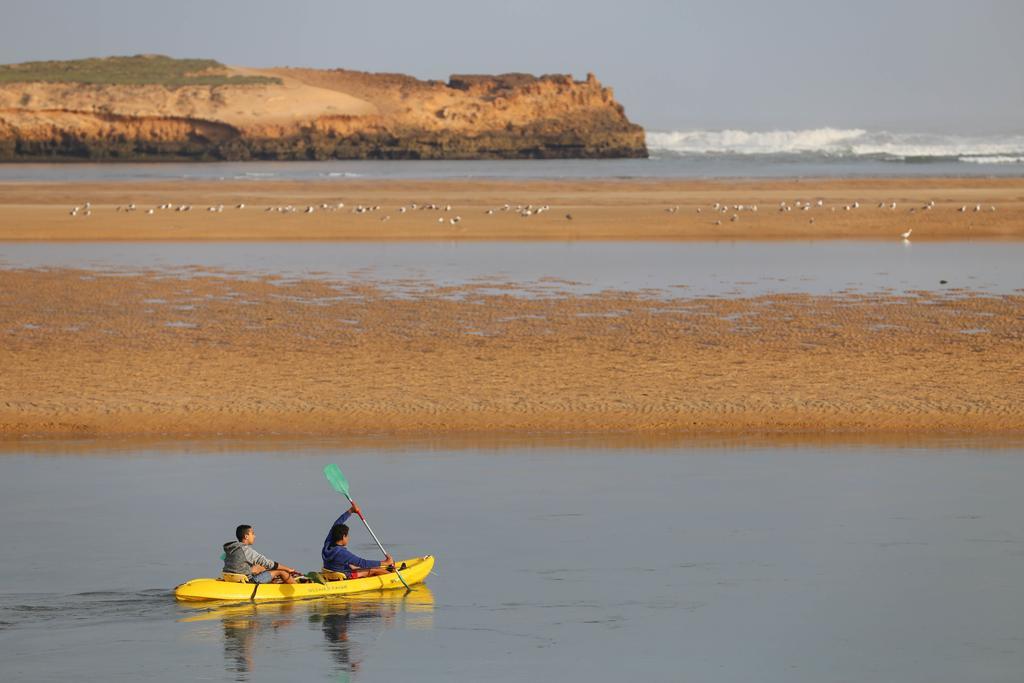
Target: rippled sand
149	354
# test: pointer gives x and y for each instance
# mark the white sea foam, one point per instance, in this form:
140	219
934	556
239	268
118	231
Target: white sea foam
999	159
839	142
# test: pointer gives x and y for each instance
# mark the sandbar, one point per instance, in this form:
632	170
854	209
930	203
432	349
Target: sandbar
632	209
151	354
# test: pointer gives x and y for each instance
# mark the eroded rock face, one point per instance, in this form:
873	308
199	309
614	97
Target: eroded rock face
317	114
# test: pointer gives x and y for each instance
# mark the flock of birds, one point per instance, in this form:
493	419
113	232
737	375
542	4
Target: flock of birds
801	205
526	211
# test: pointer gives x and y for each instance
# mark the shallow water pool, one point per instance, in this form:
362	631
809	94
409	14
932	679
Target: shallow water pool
672	268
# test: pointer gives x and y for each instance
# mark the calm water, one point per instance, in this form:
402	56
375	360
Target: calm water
713	563
663	164
676	268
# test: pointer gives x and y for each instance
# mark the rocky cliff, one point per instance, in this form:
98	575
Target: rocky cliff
232	113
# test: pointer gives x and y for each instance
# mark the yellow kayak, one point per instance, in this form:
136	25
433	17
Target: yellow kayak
419	601
415	571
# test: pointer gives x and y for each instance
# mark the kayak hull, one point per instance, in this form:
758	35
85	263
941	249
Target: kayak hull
416	571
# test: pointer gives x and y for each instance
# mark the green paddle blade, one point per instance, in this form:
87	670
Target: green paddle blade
336	478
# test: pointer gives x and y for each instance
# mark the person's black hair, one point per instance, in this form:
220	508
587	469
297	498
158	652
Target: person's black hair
241	531
338	532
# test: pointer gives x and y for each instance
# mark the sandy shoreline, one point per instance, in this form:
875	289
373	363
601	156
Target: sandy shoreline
600	210
151	355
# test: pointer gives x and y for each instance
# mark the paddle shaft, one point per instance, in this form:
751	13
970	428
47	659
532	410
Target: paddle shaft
360	513
367	524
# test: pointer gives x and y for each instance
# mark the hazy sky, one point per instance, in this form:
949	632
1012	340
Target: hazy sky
903	65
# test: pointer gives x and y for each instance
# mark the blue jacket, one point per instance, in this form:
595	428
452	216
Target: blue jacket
340	559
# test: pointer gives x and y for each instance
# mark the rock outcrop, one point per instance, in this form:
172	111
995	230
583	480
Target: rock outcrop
290	114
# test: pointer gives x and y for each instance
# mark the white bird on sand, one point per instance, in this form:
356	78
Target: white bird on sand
906	235
150	212
963	209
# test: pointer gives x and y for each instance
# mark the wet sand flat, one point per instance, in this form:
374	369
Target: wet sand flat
600	209
86	353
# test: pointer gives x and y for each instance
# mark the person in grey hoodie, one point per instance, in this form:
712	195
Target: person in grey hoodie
241	558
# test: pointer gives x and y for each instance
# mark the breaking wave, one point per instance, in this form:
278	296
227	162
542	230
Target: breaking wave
840	143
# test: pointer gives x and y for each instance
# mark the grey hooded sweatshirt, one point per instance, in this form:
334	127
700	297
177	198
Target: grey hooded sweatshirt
239	559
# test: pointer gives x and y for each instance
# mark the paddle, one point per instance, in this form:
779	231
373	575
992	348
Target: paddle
340	484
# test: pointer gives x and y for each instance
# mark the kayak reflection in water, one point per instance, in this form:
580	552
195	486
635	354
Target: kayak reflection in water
336	622
349	625
241	629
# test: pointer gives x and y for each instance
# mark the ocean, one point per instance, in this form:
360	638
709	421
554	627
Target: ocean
821	152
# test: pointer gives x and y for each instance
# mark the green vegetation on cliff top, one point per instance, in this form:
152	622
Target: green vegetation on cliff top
136	70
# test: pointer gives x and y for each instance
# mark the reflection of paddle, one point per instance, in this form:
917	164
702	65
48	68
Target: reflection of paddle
340	484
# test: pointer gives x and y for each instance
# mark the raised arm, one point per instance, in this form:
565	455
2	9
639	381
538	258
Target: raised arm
340	520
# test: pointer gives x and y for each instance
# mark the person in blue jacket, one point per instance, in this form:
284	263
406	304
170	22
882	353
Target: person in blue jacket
338	558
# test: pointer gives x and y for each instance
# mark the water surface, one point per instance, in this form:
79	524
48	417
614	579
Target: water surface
677	268
716	562
663	164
